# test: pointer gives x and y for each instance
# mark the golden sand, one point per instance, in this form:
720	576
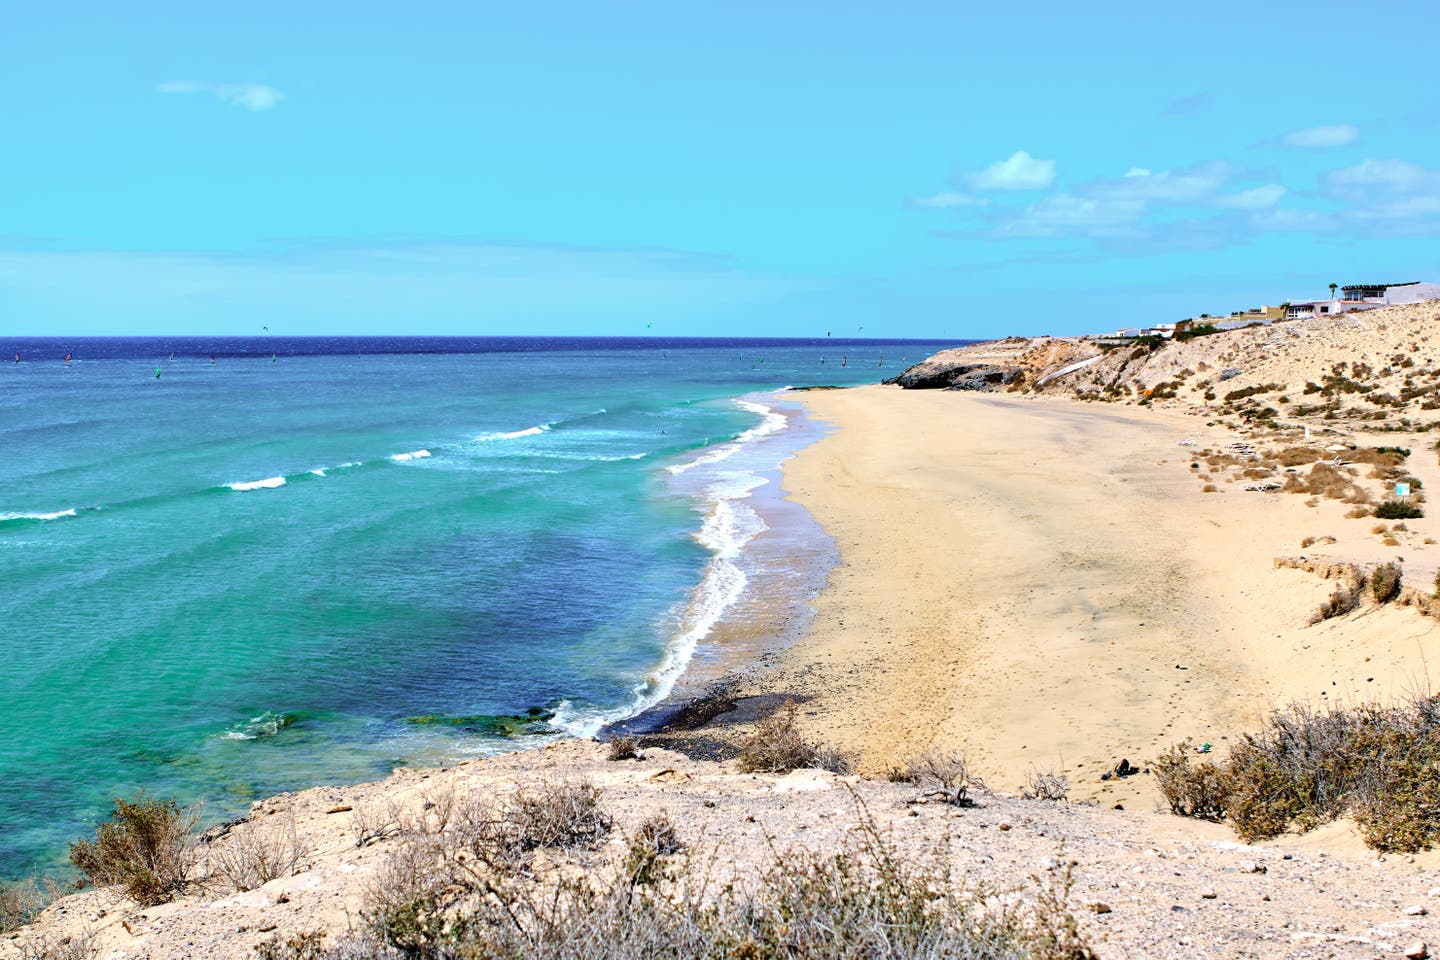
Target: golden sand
1042	584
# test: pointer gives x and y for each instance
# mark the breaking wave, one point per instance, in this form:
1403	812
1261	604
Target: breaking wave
269	483
514	434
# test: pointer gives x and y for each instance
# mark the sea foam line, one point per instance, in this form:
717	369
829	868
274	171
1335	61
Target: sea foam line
770	422
325	471
729	526
534	431
56	515
269	483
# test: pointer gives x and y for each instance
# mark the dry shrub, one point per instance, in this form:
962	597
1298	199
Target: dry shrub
624	748
20	903
1347	597
306	945
1045	785
78	947
372	823
1295	456
776	746
864	900
1325	480
147	846
256	852
1307	766
555	813
942	775
1190	786
1355	513
1385	582
655	840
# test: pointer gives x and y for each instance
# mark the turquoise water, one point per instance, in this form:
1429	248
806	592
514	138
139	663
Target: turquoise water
258	575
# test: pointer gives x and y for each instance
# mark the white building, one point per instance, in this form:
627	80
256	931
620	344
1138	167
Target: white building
1390	294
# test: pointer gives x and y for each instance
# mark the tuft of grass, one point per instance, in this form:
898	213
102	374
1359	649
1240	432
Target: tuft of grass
942	775
256	852
777	746
147	847
623	748
1045	785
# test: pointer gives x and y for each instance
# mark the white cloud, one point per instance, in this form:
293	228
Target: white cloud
1397	175
1068	213
1019	172
947	199
1192	185
1401	195
1335	135
1136	204
250	96
1256	198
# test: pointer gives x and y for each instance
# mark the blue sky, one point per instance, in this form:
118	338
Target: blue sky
941	170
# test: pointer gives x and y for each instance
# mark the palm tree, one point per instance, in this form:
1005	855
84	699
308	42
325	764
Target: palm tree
1332	290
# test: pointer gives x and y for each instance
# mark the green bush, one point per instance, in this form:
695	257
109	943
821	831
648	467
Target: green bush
1198	330
1398	510
146	846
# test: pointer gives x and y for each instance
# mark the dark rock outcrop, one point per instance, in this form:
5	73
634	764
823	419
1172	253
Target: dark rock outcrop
962	376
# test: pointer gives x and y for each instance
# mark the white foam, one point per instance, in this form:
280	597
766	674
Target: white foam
714	456
728	527
514	434
269	483
266	724
325	471
412	455
771	422
37	516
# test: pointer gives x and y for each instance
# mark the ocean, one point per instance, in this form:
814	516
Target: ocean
232	567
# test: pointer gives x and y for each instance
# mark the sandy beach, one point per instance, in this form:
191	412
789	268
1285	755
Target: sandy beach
1043	584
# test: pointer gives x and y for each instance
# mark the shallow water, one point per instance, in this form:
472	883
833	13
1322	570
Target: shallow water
261	574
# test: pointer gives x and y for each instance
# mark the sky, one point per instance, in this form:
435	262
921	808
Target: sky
919	170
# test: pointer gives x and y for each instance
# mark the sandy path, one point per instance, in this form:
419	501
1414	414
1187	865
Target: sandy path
1043	583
